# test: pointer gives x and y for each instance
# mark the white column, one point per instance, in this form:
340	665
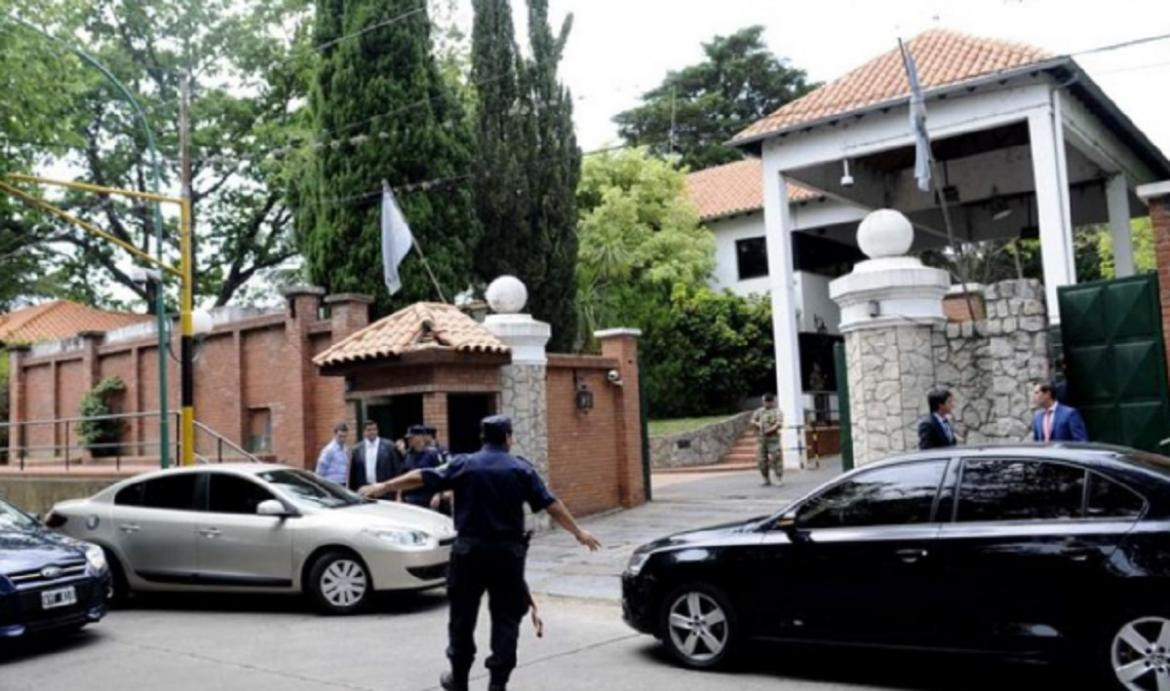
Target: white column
777	229
1117	199
1052	205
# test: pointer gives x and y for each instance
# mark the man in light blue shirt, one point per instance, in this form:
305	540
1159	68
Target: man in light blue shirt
333	463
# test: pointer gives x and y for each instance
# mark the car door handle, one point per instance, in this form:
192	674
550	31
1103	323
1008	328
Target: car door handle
911	556
129	528
210	533
1080	555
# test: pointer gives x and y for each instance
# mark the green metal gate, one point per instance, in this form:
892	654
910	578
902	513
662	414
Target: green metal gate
1113	346
843	405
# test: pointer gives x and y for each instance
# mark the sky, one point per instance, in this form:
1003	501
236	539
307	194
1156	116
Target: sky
619	49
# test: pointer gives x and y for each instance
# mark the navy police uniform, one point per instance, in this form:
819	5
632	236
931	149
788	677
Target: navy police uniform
491	487
428	457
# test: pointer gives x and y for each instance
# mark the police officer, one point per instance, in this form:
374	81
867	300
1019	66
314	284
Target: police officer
491	487
768	420
420	455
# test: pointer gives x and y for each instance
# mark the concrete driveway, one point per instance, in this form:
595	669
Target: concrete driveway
557	565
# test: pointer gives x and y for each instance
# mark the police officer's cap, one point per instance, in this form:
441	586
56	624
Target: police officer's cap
429	430
496	426
416	430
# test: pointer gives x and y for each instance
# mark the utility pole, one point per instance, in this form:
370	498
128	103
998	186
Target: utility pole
187	343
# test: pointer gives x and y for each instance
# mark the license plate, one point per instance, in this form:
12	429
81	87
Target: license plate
60	597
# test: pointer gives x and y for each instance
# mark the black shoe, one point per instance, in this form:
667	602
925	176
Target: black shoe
448	682
496	687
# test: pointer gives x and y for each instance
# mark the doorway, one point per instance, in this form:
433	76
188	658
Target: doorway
464	412
394	414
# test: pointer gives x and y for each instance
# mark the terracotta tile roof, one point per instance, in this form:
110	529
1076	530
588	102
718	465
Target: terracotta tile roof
59	319
734	188
943	57
421	326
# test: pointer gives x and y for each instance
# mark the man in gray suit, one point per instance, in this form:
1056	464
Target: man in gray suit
373	460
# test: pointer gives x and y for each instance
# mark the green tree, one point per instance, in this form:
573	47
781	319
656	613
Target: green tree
706	104
1144	257
640	238
382	111
528	163
245	81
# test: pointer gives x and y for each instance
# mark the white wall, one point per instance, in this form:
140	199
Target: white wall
812	290
726	232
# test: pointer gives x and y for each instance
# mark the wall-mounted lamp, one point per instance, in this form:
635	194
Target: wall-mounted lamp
999	206
583	396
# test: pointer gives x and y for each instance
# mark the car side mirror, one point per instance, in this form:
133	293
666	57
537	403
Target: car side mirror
787	524
272	507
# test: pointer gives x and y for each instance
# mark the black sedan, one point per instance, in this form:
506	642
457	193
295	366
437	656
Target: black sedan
1059	551
47	581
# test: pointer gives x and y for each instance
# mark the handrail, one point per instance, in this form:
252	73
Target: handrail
58	420
221	441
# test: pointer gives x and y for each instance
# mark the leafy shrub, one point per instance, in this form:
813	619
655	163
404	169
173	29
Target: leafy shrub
99	434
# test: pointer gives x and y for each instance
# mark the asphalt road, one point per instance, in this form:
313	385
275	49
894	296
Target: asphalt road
274	644
224	643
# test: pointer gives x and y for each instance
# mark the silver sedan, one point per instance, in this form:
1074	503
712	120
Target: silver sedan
258	528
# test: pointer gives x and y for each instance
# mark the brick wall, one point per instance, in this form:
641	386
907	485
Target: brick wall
583	446
1160	216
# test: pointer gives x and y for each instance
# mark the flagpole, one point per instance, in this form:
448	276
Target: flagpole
427	266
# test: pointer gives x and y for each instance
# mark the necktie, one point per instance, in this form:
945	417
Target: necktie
1048	425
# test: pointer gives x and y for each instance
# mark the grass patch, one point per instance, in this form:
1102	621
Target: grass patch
666	428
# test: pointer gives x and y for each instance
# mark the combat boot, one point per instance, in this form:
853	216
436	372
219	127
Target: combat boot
449	682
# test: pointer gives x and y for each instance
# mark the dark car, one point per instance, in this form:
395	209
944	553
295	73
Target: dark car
47	581
1059	551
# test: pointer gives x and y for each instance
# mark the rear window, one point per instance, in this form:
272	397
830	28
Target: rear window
1018	489
1107	499
167	492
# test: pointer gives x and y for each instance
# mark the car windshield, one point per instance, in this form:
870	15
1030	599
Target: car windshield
12	518
307	489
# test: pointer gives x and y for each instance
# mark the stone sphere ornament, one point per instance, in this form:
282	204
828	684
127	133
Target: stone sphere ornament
885	233
507	295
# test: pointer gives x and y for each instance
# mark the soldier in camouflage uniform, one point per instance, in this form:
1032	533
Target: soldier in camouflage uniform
768	420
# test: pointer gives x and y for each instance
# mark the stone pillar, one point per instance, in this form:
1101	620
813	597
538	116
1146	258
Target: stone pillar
523	382
622	345
1157	196
16	400
292	431
90	340
890	306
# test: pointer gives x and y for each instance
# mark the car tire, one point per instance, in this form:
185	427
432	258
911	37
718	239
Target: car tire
1133	652
340	583
699	626
120	593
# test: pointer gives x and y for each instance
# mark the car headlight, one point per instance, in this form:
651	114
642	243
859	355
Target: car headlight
637	561
96	558
401	538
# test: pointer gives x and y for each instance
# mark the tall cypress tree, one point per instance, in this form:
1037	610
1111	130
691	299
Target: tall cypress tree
529	163
381	110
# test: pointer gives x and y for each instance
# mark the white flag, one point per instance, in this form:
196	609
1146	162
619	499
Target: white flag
396	239
917	122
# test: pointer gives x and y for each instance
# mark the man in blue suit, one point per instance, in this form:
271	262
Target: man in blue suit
1055	421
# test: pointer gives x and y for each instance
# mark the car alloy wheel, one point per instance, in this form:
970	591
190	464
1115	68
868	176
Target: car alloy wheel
698	628
1141	654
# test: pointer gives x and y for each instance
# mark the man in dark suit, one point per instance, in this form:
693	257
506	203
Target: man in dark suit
934	430
373	460
1055	421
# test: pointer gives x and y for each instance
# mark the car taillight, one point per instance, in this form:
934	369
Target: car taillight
55	520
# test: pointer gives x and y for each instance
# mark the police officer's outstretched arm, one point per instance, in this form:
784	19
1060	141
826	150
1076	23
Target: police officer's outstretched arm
561	515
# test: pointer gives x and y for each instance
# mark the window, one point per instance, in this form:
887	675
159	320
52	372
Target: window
898	495
751	258
1107	499
170	492
306	489
1017	490
131	495
259	430
231	494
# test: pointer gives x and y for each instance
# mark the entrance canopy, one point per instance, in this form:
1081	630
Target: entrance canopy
1025	144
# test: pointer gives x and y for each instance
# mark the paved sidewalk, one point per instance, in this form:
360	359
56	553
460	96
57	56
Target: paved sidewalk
557	565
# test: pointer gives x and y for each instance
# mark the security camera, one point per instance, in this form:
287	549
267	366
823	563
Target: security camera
614	377
846	178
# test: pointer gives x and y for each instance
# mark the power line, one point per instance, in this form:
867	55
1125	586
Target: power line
1123	44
